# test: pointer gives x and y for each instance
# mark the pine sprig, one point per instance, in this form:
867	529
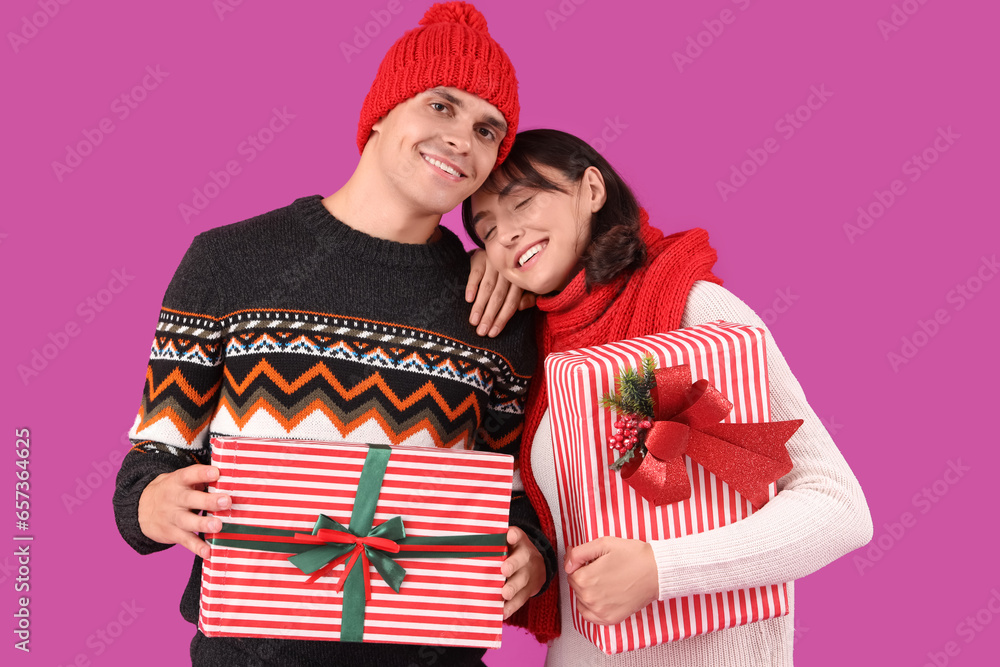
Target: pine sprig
633	399
635	393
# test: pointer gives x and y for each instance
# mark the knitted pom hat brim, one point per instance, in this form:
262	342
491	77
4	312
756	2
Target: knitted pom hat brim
452	47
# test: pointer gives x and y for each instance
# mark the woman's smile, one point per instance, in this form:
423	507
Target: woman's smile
526	259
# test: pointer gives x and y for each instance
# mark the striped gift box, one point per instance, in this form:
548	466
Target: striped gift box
594	501
282	484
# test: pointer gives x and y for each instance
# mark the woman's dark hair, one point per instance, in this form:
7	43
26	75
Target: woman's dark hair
615	243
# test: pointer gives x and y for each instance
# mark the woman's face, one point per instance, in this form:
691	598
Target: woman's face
535	238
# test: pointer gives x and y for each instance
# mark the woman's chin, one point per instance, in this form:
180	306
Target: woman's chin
517	280
538	282
545	287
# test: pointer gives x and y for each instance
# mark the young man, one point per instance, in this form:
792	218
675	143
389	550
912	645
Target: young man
343	319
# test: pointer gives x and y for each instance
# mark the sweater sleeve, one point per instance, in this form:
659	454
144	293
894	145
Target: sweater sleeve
180	394
818	515
501	431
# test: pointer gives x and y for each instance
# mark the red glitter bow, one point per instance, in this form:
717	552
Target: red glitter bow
686	417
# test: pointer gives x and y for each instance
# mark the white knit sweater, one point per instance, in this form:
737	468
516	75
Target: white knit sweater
818	515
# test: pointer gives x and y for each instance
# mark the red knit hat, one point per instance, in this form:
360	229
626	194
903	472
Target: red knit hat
451	48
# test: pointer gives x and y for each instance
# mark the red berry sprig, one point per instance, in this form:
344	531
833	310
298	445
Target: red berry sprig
632	401
627	429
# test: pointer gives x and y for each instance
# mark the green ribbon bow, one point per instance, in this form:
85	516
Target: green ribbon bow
330	544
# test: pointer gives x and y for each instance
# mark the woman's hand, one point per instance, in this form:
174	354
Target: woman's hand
524	569
494	299
613	578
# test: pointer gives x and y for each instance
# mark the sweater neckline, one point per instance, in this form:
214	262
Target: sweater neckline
333	233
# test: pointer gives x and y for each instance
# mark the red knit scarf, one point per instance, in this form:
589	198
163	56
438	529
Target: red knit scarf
649	300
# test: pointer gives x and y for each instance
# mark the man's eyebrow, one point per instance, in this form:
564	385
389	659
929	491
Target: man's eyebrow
496	123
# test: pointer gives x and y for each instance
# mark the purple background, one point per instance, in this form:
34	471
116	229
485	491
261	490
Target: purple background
838	304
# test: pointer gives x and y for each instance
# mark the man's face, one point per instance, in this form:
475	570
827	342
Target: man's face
437	148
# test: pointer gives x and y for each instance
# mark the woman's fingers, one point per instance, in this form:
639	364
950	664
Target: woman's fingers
583	554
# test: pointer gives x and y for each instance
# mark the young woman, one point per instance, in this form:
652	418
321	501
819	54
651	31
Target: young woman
555	219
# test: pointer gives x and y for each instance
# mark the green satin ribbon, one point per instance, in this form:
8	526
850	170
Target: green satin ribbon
311	558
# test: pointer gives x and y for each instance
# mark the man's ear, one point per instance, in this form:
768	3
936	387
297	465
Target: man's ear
376	128
594	189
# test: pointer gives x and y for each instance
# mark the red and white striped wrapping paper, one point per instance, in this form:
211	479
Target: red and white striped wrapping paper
595	502
285	484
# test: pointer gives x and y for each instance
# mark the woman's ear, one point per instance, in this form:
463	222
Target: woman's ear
593	188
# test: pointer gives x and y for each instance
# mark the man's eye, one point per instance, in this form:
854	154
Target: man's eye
487	133
438	106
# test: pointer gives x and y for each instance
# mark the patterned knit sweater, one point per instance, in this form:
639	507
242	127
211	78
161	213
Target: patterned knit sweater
294	325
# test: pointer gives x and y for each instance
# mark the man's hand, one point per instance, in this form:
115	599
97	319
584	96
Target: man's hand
613	578
524	569
494	300
168	506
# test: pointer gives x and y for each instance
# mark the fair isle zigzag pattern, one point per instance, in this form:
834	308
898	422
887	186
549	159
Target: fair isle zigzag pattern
281	372
346	408
177	402
186	337
371	343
